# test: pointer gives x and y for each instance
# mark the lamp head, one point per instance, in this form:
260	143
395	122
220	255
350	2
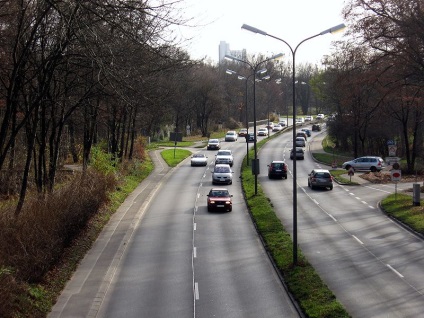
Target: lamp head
253	29
335	29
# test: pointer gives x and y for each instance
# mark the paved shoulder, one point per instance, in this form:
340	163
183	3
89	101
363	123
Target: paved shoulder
84	293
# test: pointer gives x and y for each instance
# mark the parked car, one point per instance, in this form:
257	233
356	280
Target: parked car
300	153
309	118
302	134
300	142
213	144
283	123
307	131
320	116
316	127
222	173
262	132
371	163
219	199
224	156
199	159
242	132
277	128
320	178
252	137
231	136
277	169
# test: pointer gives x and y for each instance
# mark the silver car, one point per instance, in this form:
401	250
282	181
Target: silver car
371	163
300	142
224	156
222	174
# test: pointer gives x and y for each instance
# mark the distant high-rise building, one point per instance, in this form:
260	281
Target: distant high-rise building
224	49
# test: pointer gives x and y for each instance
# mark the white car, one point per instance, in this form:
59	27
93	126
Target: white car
231	136
277	127
224	156
309	118
300	120
262	132
320	116
282	123
199	159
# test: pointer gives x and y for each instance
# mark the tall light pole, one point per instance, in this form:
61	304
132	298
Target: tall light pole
246	79
293	51
267	77
255	70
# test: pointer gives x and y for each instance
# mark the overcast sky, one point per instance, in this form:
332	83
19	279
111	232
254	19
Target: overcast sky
290	20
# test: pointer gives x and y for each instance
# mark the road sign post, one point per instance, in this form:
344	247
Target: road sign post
350	173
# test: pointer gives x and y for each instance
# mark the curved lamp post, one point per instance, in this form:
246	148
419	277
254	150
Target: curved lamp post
293	51
255	70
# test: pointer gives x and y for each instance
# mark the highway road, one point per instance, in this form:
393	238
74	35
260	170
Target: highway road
373	265
163	255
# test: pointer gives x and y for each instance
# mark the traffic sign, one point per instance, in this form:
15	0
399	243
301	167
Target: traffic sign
396	174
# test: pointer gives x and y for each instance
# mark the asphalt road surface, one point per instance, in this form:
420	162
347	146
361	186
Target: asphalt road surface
163	255
374	266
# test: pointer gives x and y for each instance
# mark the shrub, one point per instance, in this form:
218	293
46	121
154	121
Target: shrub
34	241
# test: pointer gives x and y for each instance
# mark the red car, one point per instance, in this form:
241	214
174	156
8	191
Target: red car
219	199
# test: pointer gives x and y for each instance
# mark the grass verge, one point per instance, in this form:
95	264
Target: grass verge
400	207
174	156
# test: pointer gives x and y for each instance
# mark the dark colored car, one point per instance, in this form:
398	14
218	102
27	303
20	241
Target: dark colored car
307	131
302	134
300	153
251	137
219	199
316	127
320	178
277	169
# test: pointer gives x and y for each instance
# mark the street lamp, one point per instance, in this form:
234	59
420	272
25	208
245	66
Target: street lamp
267	77
330	30
255	71
240	77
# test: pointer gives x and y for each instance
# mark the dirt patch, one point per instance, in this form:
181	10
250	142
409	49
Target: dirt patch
384	177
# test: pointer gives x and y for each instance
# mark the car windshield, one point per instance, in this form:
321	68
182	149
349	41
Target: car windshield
222	169
322	175
198	156
213	141
224	153
278	165
219	193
